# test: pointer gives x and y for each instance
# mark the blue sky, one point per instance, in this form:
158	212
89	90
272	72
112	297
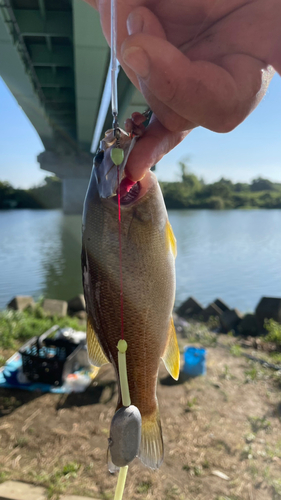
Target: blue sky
253	149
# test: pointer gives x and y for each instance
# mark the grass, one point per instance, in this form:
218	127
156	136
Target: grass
9	403
236	350
259	423
3	477
56	482
226	373
274	331
143	487
200	334
274	452
246	453
21	442
196	470
255	373
251	374
191	404
250	437
275	357
276	485
16	327
254	471
173	493
213	322
206	464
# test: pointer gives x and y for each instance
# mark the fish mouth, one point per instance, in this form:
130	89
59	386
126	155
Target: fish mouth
129	192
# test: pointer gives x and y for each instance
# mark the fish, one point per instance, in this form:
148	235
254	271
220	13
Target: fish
148	269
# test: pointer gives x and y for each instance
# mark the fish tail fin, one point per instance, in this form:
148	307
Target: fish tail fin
151	450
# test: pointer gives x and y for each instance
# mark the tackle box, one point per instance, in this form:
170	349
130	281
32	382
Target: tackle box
49	360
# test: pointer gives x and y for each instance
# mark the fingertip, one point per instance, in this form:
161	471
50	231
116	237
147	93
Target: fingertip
138	118
135	174
156	142
128	124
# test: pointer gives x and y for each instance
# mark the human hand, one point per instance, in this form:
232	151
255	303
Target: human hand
197	62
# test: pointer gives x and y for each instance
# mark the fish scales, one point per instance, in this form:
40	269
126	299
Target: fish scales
148	296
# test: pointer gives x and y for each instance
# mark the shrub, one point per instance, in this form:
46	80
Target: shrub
215	202
274	331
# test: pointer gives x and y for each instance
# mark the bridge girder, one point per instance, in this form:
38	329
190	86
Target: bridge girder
54	59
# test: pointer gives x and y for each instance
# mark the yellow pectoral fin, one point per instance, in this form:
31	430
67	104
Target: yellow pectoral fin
171	242
171	356
95	352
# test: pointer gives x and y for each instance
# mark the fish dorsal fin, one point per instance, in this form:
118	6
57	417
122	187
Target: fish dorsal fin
171	356
151	448
95	352
171	242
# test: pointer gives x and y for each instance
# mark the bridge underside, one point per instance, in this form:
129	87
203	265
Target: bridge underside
54	59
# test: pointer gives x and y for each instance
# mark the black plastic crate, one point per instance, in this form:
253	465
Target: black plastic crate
48	360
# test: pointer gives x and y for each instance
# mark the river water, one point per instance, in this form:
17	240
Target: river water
232	254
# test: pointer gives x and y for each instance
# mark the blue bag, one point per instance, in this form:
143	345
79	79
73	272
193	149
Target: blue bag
194	361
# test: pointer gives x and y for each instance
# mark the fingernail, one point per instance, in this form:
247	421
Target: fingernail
137	60
134	23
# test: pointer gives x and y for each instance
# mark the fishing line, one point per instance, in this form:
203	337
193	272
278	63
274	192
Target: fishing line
114	62
120	256
126	450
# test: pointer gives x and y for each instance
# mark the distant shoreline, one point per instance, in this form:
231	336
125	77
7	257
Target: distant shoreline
189	193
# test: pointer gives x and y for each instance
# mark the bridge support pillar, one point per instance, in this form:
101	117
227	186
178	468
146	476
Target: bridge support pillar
74	170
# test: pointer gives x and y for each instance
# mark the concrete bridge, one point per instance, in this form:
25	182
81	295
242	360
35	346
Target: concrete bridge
55	60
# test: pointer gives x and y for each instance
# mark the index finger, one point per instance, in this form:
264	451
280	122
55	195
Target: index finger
150	148
201	91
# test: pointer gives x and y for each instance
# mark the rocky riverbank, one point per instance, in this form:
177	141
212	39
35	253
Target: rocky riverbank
233	320
51	307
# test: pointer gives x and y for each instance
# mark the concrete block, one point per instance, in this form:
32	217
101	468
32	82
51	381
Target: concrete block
229	320
81	315
21	302
268	308
249	325
222	305
191	307
77	303
211	310
16	490
55	307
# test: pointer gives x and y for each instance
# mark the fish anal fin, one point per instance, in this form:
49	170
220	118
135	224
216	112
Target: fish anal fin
151	450
94	370
171	356
171	242
95	352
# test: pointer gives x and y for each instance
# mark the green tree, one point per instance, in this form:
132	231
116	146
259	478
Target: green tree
261	184
7	193
222	188
190	181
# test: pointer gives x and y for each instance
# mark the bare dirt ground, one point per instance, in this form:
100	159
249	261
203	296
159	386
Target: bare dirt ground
226	421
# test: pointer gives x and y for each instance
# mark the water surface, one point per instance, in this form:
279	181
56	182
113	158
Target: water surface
233	254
